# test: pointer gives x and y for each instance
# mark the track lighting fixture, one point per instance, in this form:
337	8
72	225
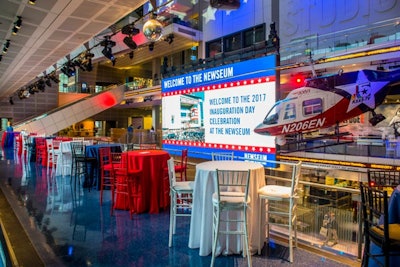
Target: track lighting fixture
68	69
53	77
41	85
130	30
32	2
48	82
107	52
6	46
14	31
130	43
151	46
1	57
23	93
169	38
78	63
131	55
32	89
11	100
18	23
108	44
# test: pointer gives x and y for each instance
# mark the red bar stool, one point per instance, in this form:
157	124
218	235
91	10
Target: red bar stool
126	182
106	169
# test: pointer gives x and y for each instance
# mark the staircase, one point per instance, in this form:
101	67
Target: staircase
64	116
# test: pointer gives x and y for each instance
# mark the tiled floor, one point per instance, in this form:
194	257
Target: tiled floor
68	227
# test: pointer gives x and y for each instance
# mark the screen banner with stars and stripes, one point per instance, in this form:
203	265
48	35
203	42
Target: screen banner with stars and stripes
217	109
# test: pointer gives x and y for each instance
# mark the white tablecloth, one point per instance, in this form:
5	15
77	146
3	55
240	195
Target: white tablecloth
202	211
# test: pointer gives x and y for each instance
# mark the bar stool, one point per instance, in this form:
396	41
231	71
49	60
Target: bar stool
126	182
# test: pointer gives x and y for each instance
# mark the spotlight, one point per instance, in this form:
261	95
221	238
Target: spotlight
1	57
107	51
14	30
68	69
53	77
131	55
88	55
89	66
78	63
84	62
130	43
40	85
6	46
18	23
130	30
169	38
151	46
11	100
32	2
22	94
33	89
48	82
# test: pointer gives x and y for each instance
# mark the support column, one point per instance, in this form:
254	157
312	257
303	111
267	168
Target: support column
156	120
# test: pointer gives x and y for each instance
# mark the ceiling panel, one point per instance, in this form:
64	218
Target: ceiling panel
87	10
71	24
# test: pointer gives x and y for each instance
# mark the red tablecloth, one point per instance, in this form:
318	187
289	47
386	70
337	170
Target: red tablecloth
152	163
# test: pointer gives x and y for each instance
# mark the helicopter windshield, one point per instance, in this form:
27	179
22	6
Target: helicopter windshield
273	114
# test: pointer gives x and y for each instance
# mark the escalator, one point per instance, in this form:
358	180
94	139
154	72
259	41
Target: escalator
62	117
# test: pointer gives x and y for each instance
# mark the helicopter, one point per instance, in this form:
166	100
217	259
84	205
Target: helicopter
326	101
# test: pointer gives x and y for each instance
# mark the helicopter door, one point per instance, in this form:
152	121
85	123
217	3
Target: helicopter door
289	111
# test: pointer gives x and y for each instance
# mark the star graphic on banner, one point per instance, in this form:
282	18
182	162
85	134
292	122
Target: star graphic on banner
362	92
209	14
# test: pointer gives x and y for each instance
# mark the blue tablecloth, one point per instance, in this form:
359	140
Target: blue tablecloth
93	152
8	139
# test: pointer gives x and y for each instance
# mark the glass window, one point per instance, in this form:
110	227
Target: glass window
254	35
213	48
233	42
312	106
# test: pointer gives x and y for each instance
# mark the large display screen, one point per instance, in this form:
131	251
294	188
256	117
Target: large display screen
217	109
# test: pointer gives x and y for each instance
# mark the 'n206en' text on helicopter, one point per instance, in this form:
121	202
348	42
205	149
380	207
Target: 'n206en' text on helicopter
326	101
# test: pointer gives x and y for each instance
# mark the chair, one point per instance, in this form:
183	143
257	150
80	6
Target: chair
181	167
383	178
53	147
129	146
148	146
80	164
106	170
64	165
277	211
232	189
222	156
181	194
41	150
126	181
375	216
